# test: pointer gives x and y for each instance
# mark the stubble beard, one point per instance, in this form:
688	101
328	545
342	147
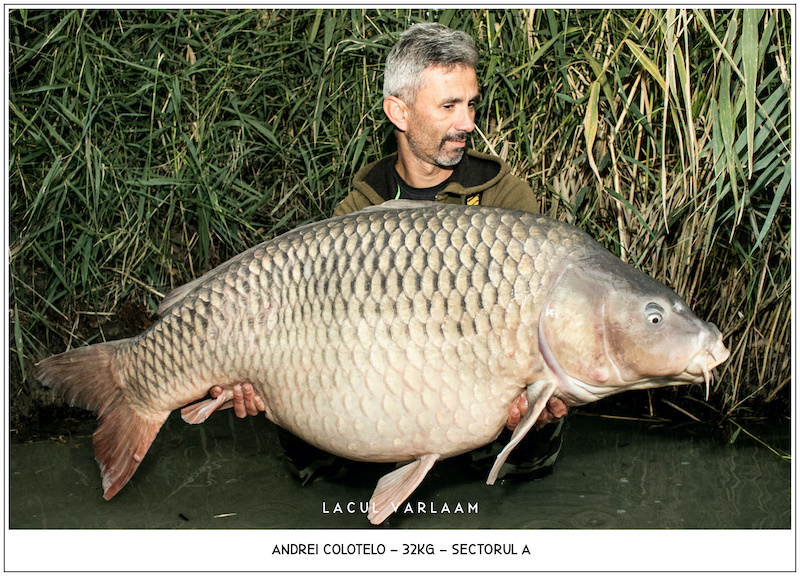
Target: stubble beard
448	161
442	158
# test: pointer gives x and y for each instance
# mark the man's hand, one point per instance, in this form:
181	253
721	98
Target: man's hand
246	402
553	410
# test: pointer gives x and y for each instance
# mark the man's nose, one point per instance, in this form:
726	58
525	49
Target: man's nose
466	120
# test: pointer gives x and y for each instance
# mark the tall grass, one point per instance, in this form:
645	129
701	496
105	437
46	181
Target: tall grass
149	146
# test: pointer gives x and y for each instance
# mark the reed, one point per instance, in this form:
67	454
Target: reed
149	146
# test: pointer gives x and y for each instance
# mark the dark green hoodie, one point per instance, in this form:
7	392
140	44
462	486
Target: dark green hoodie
477	179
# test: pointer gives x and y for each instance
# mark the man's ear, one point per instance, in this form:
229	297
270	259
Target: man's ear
396	111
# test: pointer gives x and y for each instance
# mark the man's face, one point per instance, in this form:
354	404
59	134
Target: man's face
443	115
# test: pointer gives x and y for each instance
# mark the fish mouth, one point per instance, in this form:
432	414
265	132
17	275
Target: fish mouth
701	365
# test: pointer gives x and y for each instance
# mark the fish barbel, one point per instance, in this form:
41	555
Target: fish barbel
403	332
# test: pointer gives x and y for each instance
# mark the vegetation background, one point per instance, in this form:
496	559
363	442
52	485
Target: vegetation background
148	146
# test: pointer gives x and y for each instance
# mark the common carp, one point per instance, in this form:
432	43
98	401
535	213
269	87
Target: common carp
403	332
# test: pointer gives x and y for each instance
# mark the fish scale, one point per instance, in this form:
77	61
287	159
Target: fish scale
402	332
351	329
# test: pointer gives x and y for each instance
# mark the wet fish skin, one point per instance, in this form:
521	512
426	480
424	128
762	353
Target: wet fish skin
318	317
385	335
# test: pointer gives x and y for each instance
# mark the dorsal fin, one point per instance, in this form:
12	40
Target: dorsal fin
177	295
181	292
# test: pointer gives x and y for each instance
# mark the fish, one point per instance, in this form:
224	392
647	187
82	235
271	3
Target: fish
405	332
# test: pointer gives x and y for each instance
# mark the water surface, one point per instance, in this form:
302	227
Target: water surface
230	473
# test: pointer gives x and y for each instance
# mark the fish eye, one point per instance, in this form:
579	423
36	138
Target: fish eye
654	313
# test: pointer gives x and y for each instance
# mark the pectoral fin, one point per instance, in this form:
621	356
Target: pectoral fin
393	489
538	395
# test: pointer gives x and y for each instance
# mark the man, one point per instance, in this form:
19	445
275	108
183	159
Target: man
430	93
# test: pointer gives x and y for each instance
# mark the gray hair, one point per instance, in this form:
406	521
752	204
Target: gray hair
419	47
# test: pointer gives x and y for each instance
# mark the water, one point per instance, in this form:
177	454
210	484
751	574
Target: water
229	473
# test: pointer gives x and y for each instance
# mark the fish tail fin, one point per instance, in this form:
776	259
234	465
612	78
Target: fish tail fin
87	377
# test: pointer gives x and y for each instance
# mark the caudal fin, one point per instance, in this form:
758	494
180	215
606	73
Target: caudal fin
87	377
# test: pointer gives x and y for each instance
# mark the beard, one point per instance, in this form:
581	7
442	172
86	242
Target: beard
449	159
440	156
